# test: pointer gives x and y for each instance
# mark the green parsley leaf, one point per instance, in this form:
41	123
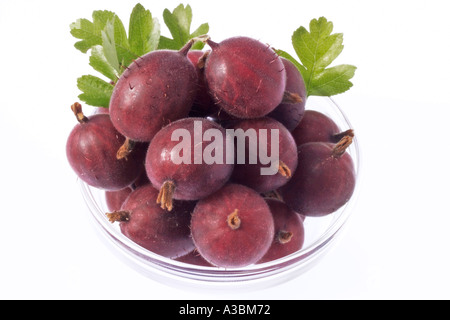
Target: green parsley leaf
317	49
179	23
109	47
116	40
89	32
332	81
144	31
112	50
96	92
100	63
107	30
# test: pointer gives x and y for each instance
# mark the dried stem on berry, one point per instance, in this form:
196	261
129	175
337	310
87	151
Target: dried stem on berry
284	237
118	216
290	97
165	196
338	137
284	170
125	150
191	42
202	61
77	110
233	220
342	146
274	194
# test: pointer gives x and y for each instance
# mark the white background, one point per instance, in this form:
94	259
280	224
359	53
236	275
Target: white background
397	243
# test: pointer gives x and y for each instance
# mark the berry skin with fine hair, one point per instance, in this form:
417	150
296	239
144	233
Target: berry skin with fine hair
115	199
291	113
318	127
233	227
246	77
289	231
156	89
191	179
249	174
324	180
144	222
203	103
91	150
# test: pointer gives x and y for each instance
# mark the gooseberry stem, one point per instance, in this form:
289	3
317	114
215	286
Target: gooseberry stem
165	196
233	220
77	110
342	146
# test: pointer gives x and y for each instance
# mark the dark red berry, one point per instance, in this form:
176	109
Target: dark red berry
317	127
100	110
195	258
92	153
164	233
204	104
246	77
233	227
156	89
115	199
250	174
324	180
191	176
289	231
291	113
142	180
141	195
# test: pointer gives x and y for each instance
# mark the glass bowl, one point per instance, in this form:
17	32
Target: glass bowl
320	234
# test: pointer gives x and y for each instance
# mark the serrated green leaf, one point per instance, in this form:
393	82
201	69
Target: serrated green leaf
112	50
155	35
84	29
321	27
115	44
109	46
124	53
100	18
179	24
89	32
96	92
317	49
333	80
144	31
100	63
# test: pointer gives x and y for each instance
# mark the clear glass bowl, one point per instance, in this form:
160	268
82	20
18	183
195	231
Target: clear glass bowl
320	234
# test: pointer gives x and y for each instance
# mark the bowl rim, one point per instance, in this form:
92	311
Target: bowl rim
181	270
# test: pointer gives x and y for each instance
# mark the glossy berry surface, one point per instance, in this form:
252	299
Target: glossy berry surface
164	233
233	227
190	177
289	231
141	195
204	104
92	153
245	76
115	199
316	127
195	258
290	114
248	173
156	89
324	180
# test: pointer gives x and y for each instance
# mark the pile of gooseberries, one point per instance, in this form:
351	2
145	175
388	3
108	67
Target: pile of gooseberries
223	213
